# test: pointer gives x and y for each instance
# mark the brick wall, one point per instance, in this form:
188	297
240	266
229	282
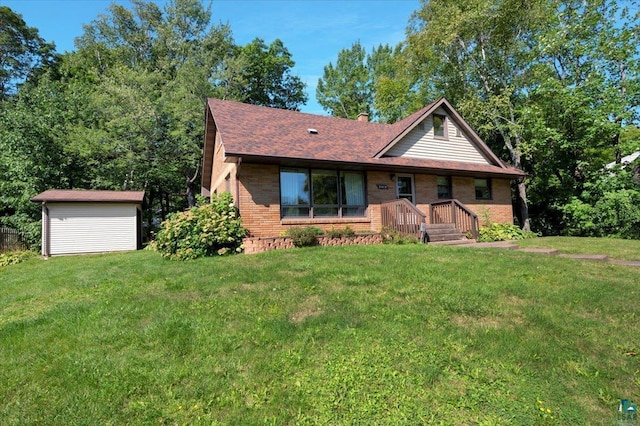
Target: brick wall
499	209
259	200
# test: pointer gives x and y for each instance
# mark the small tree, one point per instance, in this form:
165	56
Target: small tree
209	229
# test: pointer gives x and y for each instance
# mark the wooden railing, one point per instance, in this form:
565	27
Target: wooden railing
402	216
10	239
453	211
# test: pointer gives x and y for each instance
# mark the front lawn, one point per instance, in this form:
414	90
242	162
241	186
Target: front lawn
383	334
613	247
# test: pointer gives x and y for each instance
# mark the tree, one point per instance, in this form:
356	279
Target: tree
32	152
392	82
549	84
22	51
345	90
261	75
479	57
152	71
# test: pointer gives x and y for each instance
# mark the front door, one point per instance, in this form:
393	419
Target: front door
405	187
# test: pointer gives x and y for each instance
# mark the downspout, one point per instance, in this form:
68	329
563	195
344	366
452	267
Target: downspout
236	196
46	249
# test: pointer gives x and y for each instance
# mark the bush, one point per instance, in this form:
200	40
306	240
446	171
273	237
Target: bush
14	257
391	236
614	214
502	232
338	233
30	229
304	236
206	230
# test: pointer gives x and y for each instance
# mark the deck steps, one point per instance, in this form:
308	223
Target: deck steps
444	233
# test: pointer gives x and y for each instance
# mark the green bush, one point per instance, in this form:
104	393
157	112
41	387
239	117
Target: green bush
391	236
30	229
614	214
304	236
14	257
338	233
502	232
206	230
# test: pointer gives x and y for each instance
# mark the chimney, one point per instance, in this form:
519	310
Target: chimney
363	116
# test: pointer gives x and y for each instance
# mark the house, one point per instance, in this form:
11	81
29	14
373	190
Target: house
83	221
286	168
626	160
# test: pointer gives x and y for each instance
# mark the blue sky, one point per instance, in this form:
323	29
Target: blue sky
314	31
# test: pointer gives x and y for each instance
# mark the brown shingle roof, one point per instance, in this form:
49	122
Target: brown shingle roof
256	131
89	196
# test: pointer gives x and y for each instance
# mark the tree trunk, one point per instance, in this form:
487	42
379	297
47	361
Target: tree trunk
524	205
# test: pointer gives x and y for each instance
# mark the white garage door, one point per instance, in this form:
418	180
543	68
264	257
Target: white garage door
91	228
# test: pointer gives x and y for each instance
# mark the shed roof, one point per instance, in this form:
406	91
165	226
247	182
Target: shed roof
89	196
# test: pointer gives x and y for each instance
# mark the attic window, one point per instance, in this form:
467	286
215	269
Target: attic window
312	131
439	126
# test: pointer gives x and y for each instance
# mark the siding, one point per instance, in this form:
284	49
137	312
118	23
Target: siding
421	143
91	227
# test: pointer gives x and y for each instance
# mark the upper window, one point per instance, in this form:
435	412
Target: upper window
483	189
321	193
444	187
439	126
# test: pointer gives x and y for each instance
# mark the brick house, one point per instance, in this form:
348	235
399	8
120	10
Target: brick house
286	168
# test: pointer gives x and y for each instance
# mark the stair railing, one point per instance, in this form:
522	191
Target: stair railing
453	211
402	216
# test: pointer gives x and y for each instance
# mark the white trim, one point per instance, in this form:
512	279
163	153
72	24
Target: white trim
413	186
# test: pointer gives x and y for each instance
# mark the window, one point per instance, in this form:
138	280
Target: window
321	193
325	193
439	126
352	190
294	192
483	189
404	187
444	187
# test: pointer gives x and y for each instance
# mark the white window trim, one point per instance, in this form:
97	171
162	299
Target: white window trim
413	186
445	126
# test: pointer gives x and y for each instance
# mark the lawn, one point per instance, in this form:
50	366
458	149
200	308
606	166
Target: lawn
409	334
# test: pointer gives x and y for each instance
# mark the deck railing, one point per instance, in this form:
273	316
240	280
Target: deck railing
402	216
453	211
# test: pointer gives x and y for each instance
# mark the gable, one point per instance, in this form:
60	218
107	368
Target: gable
422	143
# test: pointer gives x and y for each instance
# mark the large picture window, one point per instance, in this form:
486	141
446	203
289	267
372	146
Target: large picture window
321	193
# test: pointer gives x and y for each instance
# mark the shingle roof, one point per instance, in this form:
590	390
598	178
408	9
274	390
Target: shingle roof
256	131
87	196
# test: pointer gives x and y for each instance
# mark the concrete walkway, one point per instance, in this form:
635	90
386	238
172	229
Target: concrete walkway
512	245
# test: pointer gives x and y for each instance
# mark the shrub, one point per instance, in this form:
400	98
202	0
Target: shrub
338	233
14	257
391	236
503	231
615	214
304	236
206	230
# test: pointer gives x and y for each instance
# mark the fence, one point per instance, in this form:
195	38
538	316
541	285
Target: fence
10	239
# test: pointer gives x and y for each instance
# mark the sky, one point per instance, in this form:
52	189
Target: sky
314	31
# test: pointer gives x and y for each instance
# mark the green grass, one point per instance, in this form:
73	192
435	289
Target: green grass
408	334
614	248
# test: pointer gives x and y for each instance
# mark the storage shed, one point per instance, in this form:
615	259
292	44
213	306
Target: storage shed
83	221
